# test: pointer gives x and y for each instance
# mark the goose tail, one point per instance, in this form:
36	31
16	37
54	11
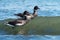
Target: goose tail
6	23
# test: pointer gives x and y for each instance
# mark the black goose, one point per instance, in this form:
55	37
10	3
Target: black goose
17	22
27	14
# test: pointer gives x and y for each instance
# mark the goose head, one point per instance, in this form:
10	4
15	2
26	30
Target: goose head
26	13
36	8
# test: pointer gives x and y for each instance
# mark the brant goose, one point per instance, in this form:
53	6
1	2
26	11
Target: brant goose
35	11
18	22
27	14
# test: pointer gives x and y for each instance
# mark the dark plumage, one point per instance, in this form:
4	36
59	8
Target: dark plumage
19	14
36	7
12	22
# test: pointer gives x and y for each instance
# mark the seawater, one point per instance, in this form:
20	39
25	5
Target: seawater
29	37
47	7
